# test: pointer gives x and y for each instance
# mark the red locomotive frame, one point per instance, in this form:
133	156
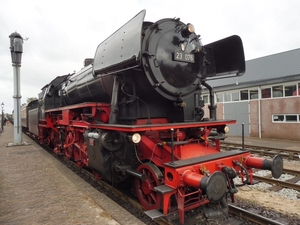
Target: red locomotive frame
168	168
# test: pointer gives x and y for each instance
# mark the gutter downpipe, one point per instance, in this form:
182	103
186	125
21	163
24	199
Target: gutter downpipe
259	112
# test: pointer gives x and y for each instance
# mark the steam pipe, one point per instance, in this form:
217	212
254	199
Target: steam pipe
114	102
247	181
212	107
172	145
243	136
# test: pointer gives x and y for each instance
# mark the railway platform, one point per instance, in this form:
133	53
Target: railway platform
264	142
35	188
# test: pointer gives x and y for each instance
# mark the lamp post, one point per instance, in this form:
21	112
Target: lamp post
2	119
16	50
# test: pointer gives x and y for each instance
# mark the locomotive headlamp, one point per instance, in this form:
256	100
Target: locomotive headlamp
190	28
135	138
223	129
226	129
187	30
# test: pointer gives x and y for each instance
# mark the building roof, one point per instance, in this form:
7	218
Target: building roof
276	68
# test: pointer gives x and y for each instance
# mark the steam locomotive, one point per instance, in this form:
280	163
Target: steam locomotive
134	114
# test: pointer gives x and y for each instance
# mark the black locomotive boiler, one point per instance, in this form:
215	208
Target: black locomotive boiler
135	114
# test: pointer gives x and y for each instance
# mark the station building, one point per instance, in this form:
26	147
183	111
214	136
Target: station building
266	99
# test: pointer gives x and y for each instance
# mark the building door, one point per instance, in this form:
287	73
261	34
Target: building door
238	111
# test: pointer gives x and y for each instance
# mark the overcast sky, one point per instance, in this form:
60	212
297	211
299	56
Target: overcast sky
62	33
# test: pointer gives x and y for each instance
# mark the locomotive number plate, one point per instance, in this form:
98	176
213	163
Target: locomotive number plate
184	57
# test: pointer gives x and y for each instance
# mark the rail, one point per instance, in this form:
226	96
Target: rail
255	218
278	182
268	151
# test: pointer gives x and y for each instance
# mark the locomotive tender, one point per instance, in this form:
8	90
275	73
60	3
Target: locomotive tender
135	114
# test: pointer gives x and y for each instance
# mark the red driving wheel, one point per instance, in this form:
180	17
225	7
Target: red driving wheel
145	191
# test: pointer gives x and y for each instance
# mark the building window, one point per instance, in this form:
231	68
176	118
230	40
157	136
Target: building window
205	98
244	95
266	93
235	96
290	90
219	97
253	94
277	91
289	118
278	117
227	97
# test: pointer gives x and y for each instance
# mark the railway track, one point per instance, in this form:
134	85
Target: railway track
283	184
293	172
252	217
291	184
266	151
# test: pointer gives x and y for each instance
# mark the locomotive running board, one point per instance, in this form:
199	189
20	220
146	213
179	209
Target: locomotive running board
163	189
154	214
201	159
165	126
